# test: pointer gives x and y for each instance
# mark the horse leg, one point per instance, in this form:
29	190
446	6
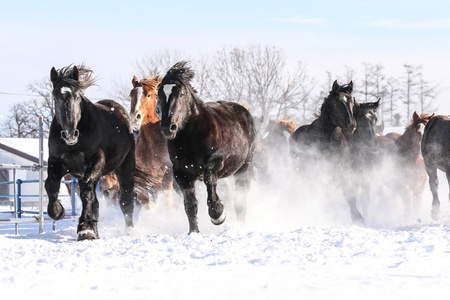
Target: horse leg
167	184
88	222
242	182
126	182
215	207
190	202
434	185
55	172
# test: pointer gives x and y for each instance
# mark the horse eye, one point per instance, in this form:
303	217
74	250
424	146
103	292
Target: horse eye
148	96
181	94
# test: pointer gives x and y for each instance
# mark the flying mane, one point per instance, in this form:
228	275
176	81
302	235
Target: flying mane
85	76
151	81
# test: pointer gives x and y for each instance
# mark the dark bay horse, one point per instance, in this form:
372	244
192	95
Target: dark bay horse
436	155
206	141
88	140
324	140
152	155
363	149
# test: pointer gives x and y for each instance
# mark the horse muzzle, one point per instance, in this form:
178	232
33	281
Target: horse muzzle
70	137
169	131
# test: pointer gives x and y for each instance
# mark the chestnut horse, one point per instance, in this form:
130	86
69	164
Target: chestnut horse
409	176
206	141
152	155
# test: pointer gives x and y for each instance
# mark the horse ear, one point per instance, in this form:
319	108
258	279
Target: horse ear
415	116
350	87
432	116
378	102
135	81
75	74
335	87
54	75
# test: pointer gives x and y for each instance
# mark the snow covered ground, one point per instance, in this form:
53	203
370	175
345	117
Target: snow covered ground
292	247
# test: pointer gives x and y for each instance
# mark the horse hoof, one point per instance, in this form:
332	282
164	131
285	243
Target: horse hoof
87	235
435	214
56	211
220	219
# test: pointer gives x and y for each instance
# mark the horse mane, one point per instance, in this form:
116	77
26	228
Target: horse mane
151	81
288	124
180	72
85	76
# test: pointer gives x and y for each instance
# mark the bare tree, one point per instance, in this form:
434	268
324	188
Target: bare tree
23	121
413	74
257	76
427	95
391	100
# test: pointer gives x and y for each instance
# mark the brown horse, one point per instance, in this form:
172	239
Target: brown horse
409	173
152	155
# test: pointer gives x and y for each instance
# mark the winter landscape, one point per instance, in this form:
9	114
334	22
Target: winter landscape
294	245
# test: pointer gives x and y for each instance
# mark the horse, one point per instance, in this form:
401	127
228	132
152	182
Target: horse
363	148
435	151
206	141
272	148
407	178
325	138
88	140
152	154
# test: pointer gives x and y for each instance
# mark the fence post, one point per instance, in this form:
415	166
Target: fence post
19	199
41	174
15	201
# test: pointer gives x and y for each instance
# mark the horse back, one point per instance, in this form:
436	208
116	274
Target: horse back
436	142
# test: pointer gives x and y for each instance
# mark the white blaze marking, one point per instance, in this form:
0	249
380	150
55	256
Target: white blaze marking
65	89
168	90
139	92
421	128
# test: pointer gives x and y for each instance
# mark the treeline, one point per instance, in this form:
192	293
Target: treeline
258	77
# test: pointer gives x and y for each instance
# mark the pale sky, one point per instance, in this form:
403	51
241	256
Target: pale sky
110	36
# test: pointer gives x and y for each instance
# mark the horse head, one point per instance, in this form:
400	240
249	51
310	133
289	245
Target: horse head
69	85
339	106
175	96
143	101
366	118
419	122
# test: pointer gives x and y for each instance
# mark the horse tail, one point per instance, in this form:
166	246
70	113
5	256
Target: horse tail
144	182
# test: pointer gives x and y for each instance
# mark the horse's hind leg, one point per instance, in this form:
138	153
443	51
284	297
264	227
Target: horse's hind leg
242	182
126	181
215	207
52	184
434	185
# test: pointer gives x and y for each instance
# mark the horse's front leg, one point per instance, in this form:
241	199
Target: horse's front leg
55	172
88	222
434	185
187	188
215	207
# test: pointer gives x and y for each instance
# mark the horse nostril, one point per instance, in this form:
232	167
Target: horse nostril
138	116
173	127
76	133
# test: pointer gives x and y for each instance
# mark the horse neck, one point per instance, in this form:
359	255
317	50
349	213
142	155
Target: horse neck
408	144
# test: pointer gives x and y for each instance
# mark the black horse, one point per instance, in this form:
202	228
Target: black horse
436	155
363	149
206	141
324	140
88	140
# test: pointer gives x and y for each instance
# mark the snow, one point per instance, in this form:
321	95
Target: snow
294	245
312	253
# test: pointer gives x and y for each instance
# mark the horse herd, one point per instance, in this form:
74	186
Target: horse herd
171	138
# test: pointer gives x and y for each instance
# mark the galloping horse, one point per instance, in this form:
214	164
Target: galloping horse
363	148
324	139
88	140
206	141
436	154
411	172
152	155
